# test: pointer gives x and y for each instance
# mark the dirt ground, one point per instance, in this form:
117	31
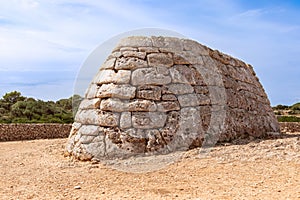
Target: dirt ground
257	169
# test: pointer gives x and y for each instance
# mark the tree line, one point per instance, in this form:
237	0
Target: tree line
286	113
15	108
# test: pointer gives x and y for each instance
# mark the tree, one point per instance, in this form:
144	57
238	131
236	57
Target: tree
13	97
14	108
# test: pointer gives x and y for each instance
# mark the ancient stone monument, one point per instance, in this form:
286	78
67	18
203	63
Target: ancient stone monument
163	94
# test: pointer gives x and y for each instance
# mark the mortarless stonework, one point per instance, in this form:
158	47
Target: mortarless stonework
162	94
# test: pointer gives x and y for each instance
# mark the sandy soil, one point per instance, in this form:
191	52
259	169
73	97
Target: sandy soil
258	169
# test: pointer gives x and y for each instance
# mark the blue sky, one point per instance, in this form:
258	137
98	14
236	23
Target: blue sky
44	43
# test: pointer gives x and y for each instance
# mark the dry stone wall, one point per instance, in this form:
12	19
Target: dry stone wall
162	94
13	132
290	127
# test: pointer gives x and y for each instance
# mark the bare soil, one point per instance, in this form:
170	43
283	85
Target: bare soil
247	169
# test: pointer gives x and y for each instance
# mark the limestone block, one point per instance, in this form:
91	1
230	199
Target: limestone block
201	90
125	120
108	119
195	47
89	104
110	76
149	49
180	60
187	100
89	130
149	92
123	49
92	91
153	76
182	74
130	63
135	41
95	148
155	141
108	64
142	105
116	105
169	97
97	117
168	106
178	88
111	90
87	117
116	54
86	139
160	60
134	54
187	57
167	43
148	120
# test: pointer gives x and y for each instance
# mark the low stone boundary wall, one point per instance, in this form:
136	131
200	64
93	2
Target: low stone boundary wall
12	132
289	127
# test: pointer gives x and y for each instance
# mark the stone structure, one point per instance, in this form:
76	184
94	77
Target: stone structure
162	94
13	132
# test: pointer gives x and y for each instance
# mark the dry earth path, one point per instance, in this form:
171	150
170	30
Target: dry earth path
257	169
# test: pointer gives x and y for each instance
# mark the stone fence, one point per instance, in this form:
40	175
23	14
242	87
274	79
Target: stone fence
289	127
13	132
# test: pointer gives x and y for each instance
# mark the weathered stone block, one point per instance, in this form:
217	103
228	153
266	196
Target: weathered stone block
92	130
116	105
151	76
201	90
111	90
149	49
195	47
109	119
168	43
87	117
182	74
123	49
97	117
110	76
125	120
187	57
169	97
149	92
178	88
89	104
108	64
142	105
130	63
148	120
134	41
187	100
160	60
92	91
168	106
134	54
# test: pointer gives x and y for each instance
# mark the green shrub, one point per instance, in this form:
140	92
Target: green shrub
288	119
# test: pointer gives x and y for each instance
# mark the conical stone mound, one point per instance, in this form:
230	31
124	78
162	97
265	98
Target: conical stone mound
162	94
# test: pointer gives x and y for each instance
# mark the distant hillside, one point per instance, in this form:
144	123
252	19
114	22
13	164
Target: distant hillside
15	108
288	113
